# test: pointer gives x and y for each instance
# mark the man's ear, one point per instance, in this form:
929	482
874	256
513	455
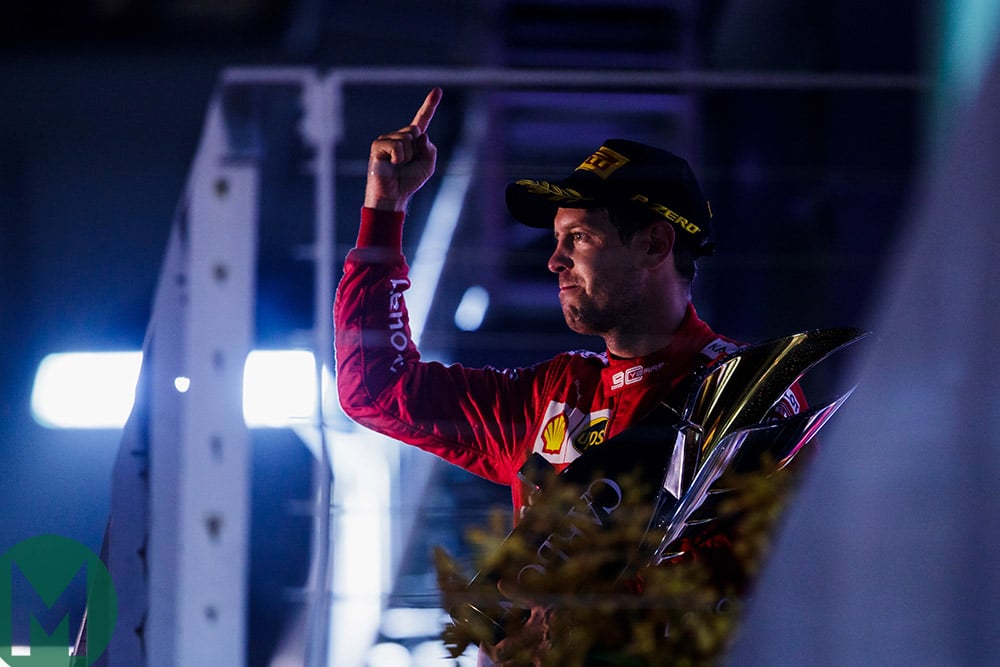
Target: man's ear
659	241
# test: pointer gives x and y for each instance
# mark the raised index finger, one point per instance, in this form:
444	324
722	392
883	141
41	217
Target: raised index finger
427	109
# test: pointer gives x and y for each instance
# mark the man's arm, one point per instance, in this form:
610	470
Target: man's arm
474	418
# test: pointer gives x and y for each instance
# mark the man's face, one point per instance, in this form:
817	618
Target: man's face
598	274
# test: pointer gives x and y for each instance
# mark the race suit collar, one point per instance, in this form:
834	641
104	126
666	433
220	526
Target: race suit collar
677	356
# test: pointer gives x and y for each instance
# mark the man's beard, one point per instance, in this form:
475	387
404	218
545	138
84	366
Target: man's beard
589	318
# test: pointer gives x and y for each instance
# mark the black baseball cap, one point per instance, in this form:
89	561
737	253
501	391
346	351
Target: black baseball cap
645	181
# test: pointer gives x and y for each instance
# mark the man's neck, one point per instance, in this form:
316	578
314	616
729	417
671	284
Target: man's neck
647	337
624	347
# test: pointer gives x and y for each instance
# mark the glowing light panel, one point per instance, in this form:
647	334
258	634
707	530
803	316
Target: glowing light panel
279	388
85	389
96	390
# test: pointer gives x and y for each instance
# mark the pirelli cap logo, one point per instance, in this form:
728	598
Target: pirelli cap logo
604	162
668	213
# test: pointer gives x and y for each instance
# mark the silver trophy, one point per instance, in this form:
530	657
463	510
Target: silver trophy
728	416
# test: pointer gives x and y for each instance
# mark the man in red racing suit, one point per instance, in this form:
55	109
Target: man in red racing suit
486	420
628	224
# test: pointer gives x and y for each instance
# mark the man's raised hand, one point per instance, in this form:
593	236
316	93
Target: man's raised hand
401	162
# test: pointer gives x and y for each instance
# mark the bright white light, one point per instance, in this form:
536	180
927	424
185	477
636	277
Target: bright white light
279	388
472	308
388	654
408	622
97	389
85	389
359	578
430	654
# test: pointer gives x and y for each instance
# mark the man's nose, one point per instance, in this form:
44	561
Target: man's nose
559	261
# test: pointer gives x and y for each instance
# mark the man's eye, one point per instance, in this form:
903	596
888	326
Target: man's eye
572	238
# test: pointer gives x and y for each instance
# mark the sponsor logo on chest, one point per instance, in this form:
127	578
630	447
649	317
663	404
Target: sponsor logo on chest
567	432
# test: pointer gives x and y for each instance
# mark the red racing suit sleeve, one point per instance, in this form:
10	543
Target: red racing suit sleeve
474	418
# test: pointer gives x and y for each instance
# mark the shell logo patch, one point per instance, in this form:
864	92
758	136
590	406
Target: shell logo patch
554	434
604	162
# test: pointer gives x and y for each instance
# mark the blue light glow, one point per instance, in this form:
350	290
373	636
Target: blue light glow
471	310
